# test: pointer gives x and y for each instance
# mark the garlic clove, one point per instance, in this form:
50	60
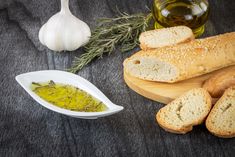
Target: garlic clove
64	31
49	34
74	39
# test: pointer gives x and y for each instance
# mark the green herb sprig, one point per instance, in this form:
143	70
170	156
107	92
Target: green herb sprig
123	31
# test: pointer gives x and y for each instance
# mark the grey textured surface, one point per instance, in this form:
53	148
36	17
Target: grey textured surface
27	129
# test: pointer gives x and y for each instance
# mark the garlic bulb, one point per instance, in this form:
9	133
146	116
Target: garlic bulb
63	31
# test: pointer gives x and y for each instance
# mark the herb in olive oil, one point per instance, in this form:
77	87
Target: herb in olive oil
191	13
67	96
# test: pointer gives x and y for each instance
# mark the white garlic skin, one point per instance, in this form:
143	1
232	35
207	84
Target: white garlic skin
63	31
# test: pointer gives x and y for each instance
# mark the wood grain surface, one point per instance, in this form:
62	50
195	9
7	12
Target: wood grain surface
28	129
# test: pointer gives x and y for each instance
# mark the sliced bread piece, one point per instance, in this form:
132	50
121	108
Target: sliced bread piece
183	113
218	83
221	120
183	61
165	37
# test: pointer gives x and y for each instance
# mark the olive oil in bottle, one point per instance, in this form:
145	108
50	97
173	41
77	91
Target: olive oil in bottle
191	13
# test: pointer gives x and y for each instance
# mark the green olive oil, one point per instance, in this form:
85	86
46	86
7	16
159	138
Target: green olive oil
67	97
191	13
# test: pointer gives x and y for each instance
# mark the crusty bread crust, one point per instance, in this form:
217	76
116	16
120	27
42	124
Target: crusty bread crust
183	61
217	116
183	130
145	47
186	127
218	83
165	37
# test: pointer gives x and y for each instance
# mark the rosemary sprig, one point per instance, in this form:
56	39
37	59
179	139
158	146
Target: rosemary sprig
122	30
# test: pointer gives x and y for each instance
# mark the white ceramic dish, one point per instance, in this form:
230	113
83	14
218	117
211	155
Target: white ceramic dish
26	79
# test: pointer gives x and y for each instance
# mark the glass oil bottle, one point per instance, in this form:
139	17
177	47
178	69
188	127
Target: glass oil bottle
191	13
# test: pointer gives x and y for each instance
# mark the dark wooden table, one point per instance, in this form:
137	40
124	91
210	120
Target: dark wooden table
28	129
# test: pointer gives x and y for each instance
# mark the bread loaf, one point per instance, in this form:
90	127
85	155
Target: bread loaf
218	83
221	120
165	37
183	61
183	113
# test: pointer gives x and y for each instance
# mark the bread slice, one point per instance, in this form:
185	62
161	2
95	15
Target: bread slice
165	37
183	113
218	83
183	61
221	120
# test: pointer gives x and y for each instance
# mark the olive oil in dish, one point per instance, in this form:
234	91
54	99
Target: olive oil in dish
67	97
191	13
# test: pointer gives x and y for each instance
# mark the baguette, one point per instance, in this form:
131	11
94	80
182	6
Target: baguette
183	61
221	120
183	113
218	83
165	37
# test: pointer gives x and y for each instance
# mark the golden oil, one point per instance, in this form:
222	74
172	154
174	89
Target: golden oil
67	96
191	13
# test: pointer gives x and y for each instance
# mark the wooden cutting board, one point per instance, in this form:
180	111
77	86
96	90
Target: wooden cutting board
165	92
